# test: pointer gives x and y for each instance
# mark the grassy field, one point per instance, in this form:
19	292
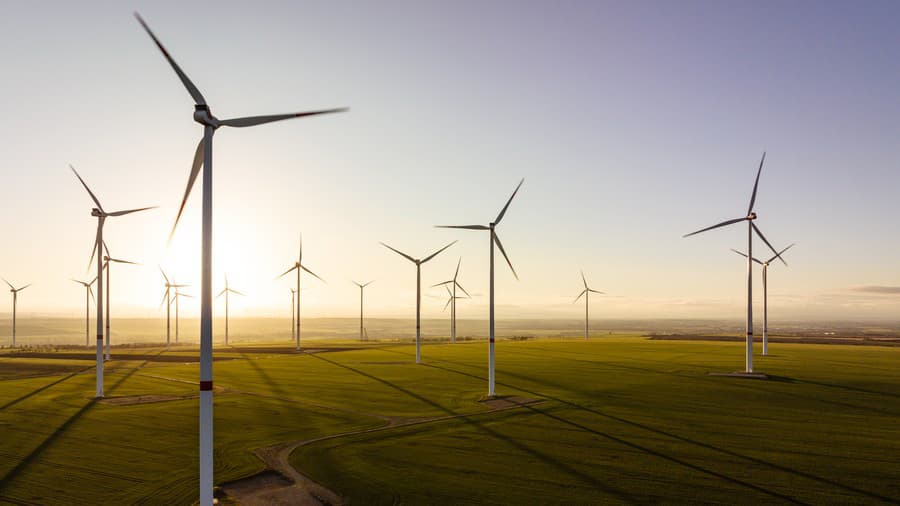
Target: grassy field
621	419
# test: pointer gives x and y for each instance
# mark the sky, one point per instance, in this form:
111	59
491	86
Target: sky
632	124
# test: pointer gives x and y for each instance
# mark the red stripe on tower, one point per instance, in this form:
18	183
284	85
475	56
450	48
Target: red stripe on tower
205	386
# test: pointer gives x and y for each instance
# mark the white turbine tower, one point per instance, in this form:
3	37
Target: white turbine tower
101	216
177	296
203	157
167	300
494	239
225	292
293	329
15	291
455	284
751	228
106	262
765	269
587	293
418	292
298	266
88	295
361	286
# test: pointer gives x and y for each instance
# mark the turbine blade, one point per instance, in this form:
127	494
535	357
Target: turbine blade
429	257
24	287
91	292
163	274
500	245
165	296
579	296
287	271
596	291
93	197
8	283
120	261
195	93
756	184
123	213
404	255
221	293
313	273
447	304
467	227
442	283
195	170
236	292
106	249
761	236
260	120
94	247
456	274
724	223
503	211
583	280
782	251
745	256
463	289
369	283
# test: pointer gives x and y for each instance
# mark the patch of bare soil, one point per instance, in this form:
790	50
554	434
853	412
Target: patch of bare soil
130	400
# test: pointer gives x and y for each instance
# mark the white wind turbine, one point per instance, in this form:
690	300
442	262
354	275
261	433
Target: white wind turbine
97	250
298	266
361	287
177	296
167	300
751	228
493	240
587	293
418	292
15	291
88	295
106	262
765	268
452	301
225	292
293	308
203	157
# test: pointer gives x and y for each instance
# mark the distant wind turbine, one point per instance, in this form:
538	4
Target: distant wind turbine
418	292
167	300
298	266
177	296
452	301
225	292
293	308
15	292
765	268
88	295
494	239
751	228
361	286
106	261
101	216
587	293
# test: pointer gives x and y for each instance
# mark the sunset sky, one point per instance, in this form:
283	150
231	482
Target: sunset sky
632	123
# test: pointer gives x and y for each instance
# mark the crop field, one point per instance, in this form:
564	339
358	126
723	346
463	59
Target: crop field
617	419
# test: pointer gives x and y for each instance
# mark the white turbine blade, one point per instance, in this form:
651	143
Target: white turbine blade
78	281
300	253
447	304
93	280
94	247
780	252
429	257
106	249
163	274
463	289
724	223
123	213
236	292
404	255
8	283
120	261
260	120
93	197
503	211
761	236
579	296
195	93
500	245
745	256
313	273
467	227
24	287
287	271
91	293
179	294
456	274
756	184
195	170
165	296
221	293
369	283
596	291
441	284
583	280
448	290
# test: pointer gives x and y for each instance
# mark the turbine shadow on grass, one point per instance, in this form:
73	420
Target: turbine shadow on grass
45	387
547	459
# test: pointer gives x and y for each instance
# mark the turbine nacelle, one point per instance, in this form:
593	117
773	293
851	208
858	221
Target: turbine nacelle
751	216
204	117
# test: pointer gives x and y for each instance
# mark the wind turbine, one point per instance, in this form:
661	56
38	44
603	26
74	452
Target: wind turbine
88	295
361	286
453	282
203	157
101	216
751	227
418	292
765	268
107	259
293	329
15	291
225	292
167	300
298	265
177	296
451	301
494	239
587	293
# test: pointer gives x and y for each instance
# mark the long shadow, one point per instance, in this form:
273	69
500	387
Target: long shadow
547	459
45	387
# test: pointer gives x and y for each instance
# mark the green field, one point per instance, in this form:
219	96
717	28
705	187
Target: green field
621	419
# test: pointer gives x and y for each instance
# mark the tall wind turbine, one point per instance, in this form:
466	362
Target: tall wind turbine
15	291
225	292
88	295
451	301
167	300
494	239
298	266
453	282
361	286
203	157
765	268
751	228
418	292
177	296
106	261
587	293
101	216
293	329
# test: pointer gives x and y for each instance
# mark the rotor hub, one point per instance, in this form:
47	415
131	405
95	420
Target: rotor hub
204	117
751	216
96	212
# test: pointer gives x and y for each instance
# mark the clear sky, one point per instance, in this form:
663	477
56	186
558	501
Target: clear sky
632	122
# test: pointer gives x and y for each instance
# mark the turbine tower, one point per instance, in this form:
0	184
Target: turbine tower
101	216
225	292
455	284
298	266
293	329
751	228
167	300
177	296
15	291
451	301
765	268
587	293
494	239
361	286
106	261
88	295
203	157
418	292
